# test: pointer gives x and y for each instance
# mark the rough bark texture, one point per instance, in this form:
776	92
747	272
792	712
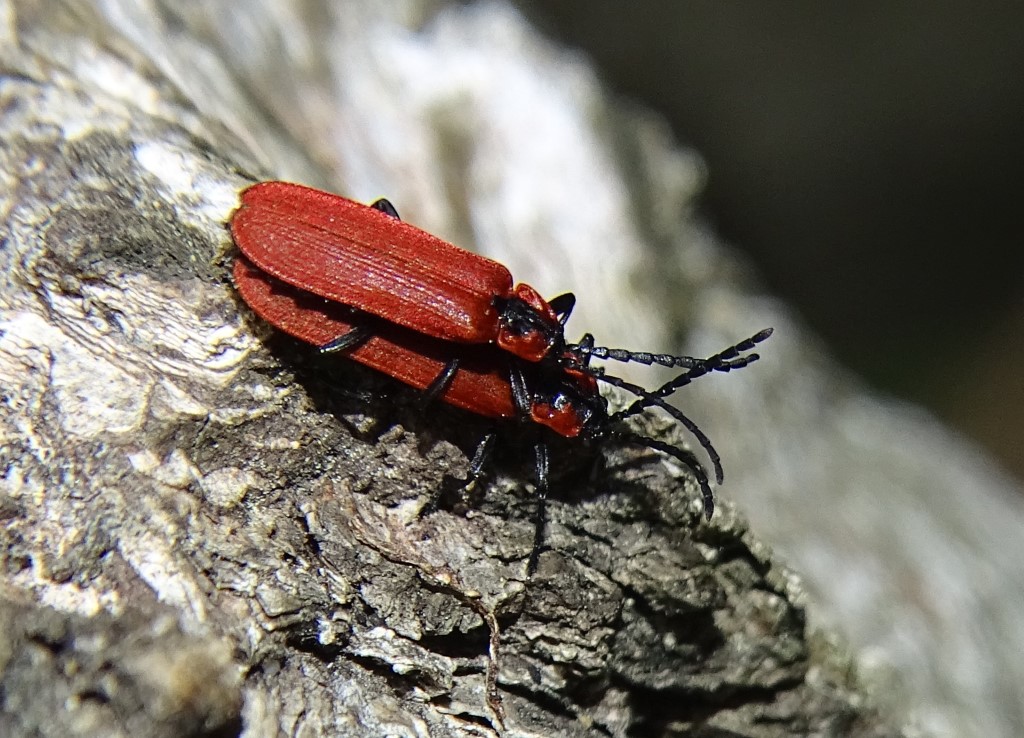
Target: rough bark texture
207	529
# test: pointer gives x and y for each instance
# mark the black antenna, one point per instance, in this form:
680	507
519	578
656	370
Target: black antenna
679	455
724	361
721	361
650	399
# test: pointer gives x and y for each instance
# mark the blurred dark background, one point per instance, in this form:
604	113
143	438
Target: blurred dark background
869	158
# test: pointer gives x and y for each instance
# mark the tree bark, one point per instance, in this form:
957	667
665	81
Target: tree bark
209	529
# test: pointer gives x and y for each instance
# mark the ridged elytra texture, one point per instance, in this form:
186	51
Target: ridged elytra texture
356	255
481	385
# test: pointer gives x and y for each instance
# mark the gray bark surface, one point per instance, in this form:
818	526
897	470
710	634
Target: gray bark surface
207	529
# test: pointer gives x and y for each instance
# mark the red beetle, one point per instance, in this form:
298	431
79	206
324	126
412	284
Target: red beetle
366	257
354	278
481	384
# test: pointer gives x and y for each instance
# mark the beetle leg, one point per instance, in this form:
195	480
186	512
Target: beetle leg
441	382
480	458
520	394
521	398
384	205
540	451
358	335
